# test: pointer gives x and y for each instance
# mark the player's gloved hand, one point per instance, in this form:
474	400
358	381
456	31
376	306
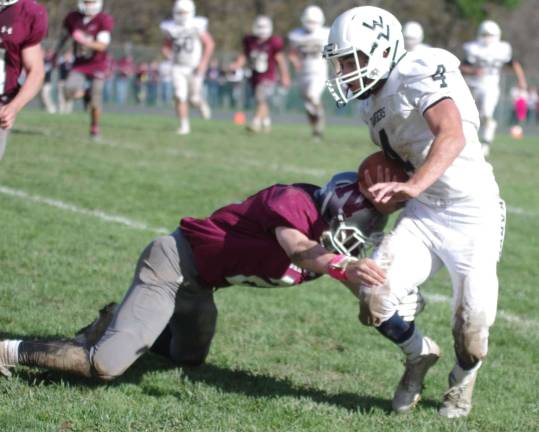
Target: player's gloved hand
411	305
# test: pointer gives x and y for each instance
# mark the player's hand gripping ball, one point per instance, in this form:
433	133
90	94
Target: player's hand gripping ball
377	168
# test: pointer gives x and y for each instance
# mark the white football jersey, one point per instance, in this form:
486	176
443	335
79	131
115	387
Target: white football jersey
186	41
394	115
309	46
491	58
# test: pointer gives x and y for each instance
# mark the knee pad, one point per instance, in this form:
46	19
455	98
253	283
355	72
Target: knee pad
470	333
377	305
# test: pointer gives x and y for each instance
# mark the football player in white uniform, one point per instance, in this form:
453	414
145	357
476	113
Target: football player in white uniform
413	36
484	59
306	45
420	111
189	46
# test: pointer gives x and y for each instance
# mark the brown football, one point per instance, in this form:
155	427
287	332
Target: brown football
378	159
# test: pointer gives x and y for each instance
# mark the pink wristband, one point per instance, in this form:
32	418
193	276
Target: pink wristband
336	269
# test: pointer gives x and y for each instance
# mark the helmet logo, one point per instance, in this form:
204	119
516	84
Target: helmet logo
380	24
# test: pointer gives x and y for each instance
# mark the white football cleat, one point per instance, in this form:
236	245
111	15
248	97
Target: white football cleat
205	111
184	130
408	392
458	399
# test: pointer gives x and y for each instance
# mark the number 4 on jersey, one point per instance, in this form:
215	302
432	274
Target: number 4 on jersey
439	75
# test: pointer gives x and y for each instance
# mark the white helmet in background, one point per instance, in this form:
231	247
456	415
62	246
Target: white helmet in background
183	11
6	3
413	35
312	18
262	27
90	7
489	32
377	35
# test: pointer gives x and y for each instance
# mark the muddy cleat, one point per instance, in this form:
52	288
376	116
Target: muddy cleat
408	391
89	335
458	399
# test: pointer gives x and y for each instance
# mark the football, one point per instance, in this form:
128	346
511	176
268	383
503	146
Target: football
378	159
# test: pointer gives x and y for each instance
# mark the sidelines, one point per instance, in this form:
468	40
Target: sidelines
121	220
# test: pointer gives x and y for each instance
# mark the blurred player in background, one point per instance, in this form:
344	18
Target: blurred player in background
23	25
306	45
273	238
90	29
263	52
189	46
413	36
483	61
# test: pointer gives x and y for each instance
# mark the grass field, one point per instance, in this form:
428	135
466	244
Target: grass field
283	359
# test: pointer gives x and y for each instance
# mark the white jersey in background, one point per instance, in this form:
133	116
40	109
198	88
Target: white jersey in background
309	46
491	58
186	41
395	118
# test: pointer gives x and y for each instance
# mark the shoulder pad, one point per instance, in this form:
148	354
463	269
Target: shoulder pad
201	23
419	65
167	26
295	34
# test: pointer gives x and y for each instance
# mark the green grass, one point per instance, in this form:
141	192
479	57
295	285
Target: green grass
283	359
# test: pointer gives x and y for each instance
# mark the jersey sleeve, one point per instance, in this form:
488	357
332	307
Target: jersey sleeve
506	53
429	79
277	44
291	207
201	24
38	28
107	24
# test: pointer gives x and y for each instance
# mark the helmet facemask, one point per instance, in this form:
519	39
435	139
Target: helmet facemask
183	11
5	3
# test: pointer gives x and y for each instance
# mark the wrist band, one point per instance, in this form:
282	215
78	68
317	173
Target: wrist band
337	267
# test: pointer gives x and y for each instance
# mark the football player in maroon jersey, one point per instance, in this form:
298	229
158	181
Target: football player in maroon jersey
263	53
90	30
283	235
23	25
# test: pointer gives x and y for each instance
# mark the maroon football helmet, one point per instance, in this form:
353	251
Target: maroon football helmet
354	224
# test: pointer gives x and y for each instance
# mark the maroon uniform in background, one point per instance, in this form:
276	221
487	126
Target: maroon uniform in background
261	57
22	25
87	61
236	245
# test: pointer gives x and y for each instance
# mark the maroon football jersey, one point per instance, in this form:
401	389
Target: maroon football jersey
261	57
88	61
237	245
22	25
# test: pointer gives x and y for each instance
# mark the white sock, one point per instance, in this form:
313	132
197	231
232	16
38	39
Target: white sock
257	122
415	346
12	351
184	124
461	375
266	122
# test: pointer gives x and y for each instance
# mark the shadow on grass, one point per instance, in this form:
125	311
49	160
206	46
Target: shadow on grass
226	379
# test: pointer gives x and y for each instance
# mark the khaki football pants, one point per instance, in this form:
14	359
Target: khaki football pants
164	298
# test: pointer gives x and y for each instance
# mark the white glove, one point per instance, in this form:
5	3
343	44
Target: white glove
411	305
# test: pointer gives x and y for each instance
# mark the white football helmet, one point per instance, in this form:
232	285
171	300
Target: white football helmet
90	7
354	224
262	27
489	32
413	35
312	18
374	33
183	11
6	3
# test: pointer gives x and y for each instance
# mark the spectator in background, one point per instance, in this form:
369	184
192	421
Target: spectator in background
139	87
125	69
46	91
109	80
233	89
65	64
213	83
165	82
152	84
533	100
